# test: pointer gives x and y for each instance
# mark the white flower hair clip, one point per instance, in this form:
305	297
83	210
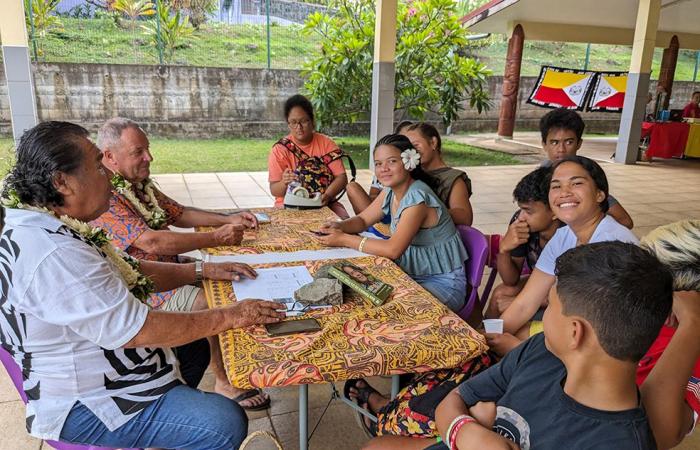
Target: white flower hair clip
410	158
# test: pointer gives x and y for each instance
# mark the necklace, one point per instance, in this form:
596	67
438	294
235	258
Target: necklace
139	284
155	216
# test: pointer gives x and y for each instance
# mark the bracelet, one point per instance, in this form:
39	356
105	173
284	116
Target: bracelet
362	244
198	272
454	428
449	430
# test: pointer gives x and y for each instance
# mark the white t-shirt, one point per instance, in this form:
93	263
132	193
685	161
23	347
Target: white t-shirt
65	313
564	239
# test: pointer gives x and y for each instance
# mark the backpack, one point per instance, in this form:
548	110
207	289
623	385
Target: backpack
313	171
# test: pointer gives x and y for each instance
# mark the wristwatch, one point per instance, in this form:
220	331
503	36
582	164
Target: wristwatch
197	271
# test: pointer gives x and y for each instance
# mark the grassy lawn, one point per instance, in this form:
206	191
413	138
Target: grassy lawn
239	155
215	44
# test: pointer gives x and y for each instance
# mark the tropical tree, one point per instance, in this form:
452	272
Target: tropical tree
197	10
134	9
43	16
432	75
172	29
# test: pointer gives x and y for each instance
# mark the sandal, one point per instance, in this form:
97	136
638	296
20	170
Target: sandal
252	393
362	399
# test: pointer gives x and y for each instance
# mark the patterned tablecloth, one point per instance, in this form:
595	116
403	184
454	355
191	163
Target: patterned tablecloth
287	231
411	332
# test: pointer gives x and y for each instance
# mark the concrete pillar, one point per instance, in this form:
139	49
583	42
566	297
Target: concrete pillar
511	83
668	69
15	55
383	73
638	81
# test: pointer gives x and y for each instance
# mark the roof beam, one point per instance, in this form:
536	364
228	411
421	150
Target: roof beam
541	31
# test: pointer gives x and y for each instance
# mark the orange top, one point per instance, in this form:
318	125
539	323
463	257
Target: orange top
281	158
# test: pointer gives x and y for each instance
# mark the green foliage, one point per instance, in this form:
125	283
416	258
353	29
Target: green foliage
172	28
464	7
43	16
134	9
196	10
431	74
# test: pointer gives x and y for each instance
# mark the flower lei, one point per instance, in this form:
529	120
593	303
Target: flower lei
155	217
140	285
410	158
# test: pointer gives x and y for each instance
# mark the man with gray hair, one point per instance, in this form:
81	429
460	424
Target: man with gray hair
139	218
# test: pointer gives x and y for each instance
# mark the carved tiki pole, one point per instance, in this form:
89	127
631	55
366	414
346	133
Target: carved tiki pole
668	69
511	83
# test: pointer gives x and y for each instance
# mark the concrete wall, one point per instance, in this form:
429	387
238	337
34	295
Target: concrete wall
222	102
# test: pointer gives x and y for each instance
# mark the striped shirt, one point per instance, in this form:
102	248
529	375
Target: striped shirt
65	315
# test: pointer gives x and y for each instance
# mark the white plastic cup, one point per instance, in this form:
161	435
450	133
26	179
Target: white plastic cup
493	326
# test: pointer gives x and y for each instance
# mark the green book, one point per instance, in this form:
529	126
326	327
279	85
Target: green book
368	286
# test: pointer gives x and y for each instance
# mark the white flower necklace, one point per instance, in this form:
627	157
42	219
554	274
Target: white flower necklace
155	216
139	284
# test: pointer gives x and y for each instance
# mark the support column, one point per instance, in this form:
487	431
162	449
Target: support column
638	81
15	55
383	73
511	83
668	69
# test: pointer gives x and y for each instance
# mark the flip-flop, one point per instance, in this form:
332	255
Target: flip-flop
252	393
362	398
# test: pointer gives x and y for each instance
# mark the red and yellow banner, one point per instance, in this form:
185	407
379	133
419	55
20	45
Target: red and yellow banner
557	87
608	92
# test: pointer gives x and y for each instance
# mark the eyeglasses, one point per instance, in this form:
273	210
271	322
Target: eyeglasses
302	123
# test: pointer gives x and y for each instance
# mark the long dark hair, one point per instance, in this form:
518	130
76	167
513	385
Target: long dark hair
402	143
594	170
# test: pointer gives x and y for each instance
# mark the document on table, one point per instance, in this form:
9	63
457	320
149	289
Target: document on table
278	257
277	284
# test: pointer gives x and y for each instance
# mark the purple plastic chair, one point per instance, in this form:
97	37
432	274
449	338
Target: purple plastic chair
15	374
478	248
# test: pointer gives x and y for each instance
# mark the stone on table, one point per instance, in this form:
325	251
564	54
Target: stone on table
322	291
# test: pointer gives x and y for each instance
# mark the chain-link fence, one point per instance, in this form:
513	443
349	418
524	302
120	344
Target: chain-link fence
214	33
256	33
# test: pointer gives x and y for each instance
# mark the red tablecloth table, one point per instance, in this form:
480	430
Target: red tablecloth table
668	139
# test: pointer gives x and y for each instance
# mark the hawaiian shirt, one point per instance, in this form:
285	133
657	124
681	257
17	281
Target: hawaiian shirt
126	225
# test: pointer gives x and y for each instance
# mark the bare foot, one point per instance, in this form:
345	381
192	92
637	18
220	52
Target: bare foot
255	401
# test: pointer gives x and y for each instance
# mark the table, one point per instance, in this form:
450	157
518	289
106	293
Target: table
692	148
667	139
412	332
288	232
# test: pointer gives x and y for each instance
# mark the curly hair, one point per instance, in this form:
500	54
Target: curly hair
594	170
300	101
402	143
562	118
533	187
43	151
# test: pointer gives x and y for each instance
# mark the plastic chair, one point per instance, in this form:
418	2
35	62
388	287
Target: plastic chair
494	244
478	248
15	374
494	241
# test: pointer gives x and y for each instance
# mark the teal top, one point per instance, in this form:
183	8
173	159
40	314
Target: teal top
435	250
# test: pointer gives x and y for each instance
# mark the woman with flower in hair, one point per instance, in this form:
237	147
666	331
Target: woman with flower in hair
424	241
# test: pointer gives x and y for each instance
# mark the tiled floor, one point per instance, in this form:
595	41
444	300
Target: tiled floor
654	194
